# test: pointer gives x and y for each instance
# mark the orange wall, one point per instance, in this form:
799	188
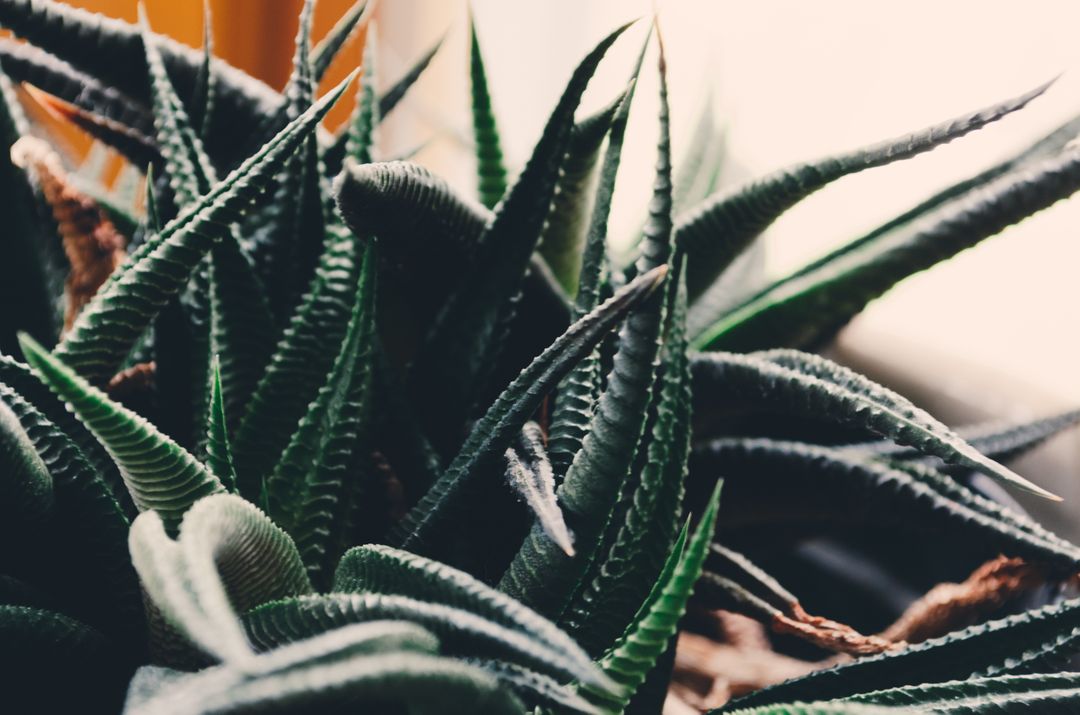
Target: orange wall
254	35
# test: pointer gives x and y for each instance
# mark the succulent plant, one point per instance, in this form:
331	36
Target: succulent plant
296	430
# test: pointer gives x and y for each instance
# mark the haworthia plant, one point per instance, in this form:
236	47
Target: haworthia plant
336	436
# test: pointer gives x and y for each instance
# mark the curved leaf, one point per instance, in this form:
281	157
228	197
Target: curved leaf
998	647
715	232
229	557
703	316
86	539
382	569
818	387
775	483
420	682
160	474
1049	693
810	307
459	632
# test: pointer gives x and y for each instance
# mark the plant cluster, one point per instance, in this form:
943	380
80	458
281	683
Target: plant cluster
296	430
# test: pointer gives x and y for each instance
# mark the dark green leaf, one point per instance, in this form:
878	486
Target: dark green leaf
716	231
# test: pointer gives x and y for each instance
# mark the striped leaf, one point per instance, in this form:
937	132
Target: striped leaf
813	387
493	432
159	474
716	231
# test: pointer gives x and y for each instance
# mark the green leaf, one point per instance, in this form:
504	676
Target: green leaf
1000	647
324	53
22	380
773	484
228	558
428	238
389	571
202	102
493	432
997	440
242	328
646	638
643	531
86	538
814	709
335	151
310	492
536	689
807	385
563	237
463	344
490	171
300	363
218	453
417	681
1049	693
395	94
159	474
291	231
27	486
460	632
579	390
541	575
1045	147
810	307
24	63
716	231
122	309
360	132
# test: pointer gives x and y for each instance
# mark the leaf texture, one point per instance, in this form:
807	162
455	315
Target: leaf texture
776	483
159	474
716	231
805	310
540	575
815	386
999	647
491	434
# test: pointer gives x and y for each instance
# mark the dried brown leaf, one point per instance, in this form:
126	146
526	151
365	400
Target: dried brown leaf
93	245
951	606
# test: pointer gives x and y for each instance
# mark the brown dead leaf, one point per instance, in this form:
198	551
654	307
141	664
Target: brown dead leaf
93	245
830	635
950	606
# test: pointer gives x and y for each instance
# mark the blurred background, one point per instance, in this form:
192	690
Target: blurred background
993	332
